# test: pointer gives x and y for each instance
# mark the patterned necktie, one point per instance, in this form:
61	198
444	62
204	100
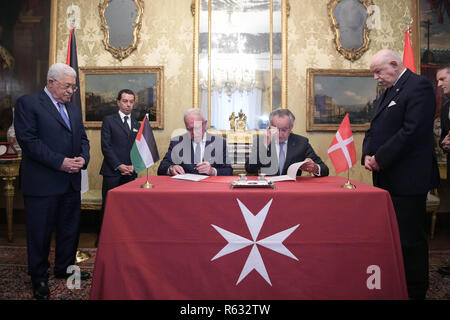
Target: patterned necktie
125	122
198	153
63	115
281	158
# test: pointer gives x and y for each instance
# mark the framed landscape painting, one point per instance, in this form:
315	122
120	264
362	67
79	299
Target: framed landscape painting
99	88
331	94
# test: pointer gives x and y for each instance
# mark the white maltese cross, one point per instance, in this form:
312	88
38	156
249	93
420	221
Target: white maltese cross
254	224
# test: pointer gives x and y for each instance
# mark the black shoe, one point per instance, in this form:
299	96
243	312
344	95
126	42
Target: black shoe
83	275
41	291
445	271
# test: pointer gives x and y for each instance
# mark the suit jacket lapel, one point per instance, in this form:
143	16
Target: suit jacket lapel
50	108
392	93
291	148
120	124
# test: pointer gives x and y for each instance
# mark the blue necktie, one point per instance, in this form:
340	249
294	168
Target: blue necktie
281	158
63	115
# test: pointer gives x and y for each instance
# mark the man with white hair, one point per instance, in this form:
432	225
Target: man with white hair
55	148
399	150
197	151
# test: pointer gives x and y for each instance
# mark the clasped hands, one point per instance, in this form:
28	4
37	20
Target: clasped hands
126	170
72	165
370	163
202	168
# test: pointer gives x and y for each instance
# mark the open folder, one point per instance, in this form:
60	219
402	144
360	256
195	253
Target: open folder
291	173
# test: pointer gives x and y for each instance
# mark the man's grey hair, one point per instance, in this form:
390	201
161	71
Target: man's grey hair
58	70
282	113
193	111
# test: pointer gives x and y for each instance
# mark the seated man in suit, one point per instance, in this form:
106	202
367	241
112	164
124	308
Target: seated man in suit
275	151
118	133
196	151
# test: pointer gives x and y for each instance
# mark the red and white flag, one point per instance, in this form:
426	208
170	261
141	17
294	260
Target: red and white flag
408	54
342	150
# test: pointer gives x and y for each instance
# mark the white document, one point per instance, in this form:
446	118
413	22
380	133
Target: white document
291	173
190	177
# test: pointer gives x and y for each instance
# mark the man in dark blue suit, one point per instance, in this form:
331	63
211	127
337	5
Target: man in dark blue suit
118	133
443	83
399	150
197	151
275	151
55	148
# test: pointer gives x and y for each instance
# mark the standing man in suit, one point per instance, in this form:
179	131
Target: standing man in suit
118	133
55	148
275	151
399	150
196	151
443	79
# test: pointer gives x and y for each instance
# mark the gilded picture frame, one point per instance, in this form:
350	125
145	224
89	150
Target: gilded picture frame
348	28
99	87
332	93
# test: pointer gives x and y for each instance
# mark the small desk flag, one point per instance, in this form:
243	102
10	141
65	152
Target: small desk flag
342	150
144	152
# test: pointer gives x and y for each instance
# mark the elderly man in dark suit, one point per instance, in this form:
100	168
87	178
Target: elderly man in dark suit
197	151
399	150
275	151
55	148
118	133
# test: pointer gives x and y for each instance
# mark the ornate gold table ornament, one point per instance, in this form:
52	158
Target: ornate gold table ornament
9	170
241	122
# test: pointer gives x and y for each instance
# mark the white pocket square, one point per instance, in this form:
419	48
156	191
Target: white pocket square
135	130
392	103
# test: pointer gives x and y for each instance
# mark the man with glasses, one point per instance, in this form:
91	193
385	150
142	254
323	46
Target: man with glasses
55	148
273	152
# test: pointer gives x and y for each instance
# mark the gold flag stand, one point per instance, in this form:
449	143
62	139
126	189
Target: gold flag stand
147	185
348	184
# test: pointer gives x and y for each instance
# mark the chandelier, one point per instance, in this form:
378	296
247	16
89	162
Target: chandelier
231	68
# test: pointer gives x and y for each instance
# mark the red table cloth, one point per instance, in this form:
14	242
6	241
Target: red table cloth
305	239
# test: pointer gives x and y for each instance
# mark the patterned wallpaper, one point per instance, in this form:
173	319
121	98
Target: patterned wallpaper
167	39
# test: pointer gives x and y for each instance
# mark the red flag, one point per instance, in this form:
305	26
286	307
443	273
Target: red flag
408	54
342	150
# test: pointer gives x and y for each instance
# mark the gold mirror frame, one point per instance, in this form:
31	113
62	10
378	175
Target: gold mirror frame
351	55
125	52
195	10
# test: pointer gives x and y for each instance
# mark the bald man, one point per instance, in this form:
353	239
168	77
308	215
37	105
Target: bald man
399	150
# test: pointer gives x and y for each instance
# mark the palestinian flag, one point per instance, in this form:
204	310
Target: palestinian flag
144	152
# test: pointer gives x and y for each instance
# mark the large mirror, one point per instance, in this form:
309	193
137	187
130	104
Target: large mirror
121	22
348	22
239	60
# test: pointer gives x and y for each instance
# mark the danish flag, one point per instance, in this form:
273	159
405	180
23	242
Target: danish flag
342	150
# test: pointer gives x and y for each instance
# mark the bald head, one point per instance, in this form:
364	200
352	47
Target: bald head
386	66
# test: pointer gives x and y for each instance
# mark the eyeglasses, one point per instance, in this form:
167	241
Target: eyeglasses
67	86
